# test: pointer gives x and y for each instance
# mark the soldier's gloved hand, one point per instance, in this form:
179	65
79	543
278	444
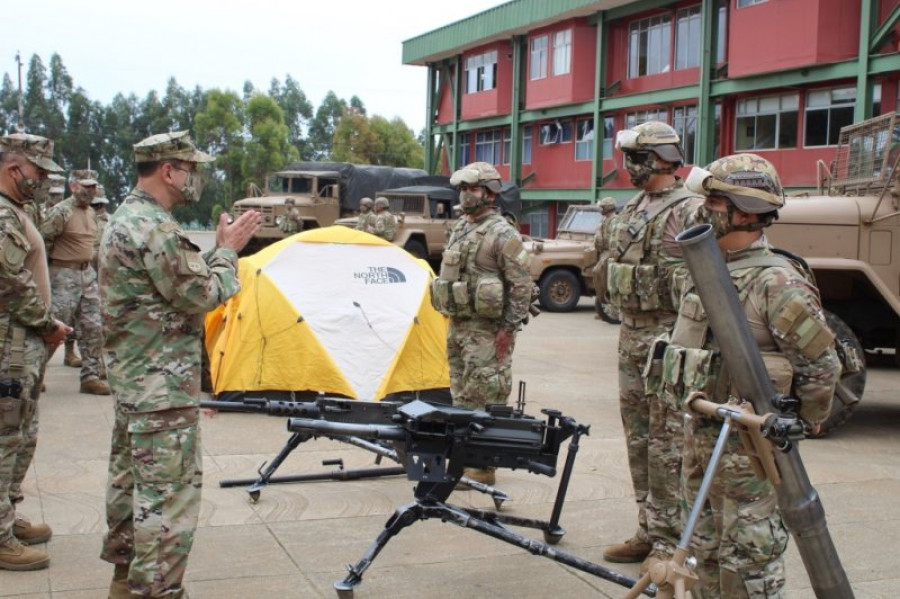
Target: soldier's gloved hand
236	235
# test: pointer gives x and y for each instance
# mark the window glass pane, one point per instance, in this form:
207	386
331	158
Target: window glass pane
507	146
608	134
787	129
562	45
843	96
816	133
769	104
526	145
723	31
746	133
790	102
566	134
766	129
840	117
818	98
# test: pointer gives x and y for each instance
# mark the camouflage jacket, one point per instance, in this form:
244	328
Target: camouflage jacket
366	222
155	289
53	225
642	248
787	322
386	225
20	300
499	251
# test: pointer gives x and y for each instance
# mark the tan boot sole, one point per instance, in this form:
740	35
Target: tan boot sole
25	567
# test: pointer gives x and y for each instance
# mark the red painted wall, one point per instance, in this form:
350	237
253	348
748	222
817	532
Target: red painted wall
575	86
445	105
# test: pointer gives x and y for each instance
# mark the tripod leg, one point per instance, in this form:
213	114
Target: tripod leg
402	518
266	472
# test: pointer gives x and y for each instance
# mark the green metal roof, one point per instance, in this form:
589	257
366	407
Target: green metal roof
501	22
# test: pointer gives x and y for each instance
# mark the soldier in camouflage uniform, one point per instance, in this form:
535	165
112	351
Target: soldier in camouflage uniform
55	193
99	204
366	220
740	538
485	288
70	230
643	256
601	244
385	222
156	287
291	221
27	331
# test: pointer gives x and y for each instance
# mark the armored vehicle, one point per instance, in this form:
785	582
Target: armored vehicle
563	267
322	192
849	234
425	214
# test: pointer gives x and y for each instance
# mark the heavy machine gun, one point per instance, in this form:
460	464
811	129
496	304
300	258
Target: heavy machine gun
436	442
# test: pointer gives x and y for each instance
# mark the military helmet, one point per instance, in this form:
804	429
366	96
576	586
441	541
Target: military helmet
653	136
748	180
366	202
478	173
607	205
381	202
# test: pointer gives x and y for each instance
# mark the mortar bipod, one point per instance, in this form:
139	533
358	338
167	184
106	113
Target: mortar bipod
675	576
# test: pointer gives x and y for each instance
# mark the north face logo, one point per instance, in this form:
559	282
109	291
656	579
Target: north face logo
380	275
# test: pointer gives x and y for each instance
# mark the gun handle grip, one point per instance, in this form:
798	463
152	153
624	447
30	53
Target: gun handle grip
539	468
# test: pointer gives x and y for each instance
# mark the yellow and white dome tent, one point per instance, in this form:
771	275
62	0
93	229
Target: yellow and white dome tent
330	310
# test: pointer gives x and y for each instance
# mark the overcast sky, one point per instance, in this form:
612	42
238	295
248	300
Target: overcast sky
350	47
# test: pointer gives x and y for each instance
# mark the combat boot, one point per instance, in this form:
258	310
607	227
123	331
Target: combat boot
632	551
71	358
31	534
95	387
16	556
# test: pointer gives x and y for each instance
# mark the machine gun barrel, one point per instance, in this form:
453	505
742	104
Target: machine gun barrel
799	502
325	428
302	409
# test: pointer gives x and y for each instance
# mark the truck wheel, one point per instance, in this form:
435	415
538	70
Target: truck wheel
606	311
416	248
844	404
560	291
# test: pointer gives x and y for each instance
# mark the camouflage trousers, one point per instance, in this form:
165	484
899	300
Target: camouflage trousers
76	302
18	441
477	377
740	539
652	436
153	497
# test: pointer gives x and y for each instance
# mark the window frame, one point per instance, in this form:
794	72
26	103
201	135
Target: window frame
527	144
740	115
693	18
685	125
645	27
481	70
489	146
584	141
564	50
832	132
542	55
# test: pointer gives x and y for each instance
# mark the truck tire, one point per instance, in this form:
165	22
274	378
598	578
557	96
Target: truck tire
560	291
842	406
606	311
416	248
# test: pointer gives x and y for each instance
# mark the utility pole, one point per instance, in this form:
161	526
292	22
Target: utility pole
20	126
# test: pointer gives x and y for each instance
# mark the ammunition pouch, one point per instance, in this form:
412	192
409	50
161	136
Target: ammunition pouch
635	288
450	265
12	405
489	296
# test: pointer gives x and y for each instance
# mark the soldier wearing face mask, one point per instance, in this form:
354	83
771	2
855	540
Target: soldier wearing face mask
156	287
485	288
69	231
643	261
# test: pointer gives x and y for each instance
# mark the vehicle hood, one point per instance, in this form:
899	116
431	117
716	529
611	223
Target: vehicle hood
538	245
349	221
825	210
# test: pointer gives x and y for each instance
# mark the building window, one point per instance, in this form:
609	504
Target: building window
556	132
746	3
584	140
722	32
539	57
562	52
487	146
507	145
481	72
538	224
684	121
827	110
463	151
608	133
633	119
687	38
649	46
526	145
767	123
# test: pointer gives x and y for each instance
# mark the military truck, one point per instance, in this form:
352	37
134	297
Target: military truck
322	192
849	234
425	214
563	267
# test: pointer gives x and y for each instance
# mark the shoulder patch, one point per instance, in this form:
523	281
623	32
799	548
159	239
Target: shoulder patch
169	227
801	325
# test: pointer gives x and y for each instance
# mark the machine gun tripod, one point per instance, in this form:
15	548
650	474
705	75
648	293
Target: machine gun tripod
333	409
438	442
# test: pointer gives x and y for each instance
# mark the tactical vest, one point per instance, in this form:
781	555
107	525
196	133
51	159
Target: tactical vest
14	334
638	270
464	289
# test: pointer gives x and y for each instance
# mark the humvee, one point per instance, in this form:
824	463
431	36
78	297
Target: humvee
563	267
849	234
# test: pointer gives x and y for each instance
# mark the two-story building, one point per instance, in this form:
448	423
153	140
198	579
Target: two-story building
539	87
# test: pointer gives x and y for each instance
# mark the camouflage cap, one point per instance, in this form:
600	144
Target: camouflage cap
36	149
57	184
169	146
100	198
607	205
85	177
749	181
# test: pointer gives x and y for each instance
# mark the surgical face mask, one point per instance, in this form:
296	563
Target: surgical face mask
28	187
470	202
193	186
640	167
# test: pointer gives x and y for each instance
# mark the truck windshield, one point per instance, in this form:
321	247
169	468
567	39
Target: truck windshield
581	221
279	184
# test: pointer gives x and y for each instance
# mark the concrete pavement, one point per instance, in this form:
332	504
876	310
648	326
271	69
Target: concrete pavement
297	539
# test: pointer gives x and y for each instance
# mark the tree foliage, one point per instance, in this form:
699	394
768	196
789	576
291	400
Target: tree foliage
249	132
